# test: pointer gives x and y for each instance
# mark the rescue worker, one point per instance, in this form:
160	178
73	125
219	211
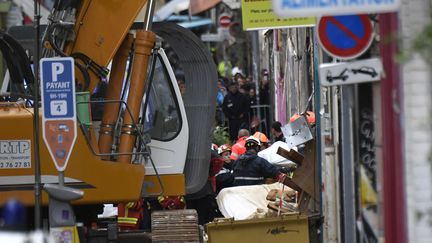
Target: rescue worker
216	164
276	131
224	178
263	139
239	147
172	202
236	108
250	169
130	215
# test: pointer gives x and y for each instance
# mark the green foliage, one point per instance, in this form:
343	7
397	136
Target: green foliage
423	43
221	136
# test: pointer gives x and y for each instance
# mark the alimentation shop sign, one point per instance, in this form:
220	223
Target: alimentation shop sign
301	8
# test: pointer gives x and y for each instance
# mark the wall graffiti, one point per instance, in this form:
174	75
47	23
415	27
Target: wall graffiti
367	143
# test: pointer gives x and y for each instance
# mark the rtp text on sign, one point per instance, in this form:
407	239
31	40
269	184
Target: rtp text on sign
59	110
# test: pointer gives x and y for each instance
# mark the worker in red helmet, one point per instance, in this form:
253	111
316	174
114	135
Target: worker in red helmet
250	169
225	152
224	178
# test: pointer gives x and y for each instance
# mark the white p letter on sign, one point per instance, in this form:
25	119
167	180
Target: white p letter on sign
57	69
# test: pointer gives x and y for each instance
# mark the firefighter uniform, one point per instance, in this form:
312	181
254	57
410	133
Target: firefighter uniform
130	215
250	169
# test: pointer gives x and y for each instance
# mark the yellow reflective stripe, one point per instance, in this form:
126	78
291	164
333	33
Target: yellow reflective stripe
127	220
130	204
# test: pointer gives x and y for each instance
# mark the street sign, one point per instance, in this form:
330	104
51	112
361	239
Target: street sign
59	110
211	38
345	37
258	15
342	73
318	8
224	21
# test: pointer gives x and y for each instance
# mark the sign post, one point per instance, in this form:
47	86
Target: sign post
59	133
59	110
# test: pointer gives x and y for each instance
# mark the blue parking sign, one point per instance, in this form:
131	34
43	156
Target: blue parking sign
58	88
58	103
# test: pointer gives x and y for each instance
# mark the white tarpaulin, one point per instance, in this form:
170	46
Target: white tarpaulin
270	154
242	202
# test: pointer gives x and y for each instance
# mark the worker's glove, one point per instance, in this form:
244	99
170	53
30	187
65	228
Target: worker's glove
291	167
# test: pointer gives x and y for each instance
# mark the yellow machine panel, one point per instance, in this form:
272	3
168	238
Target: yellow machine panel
287	228
101	181
99	32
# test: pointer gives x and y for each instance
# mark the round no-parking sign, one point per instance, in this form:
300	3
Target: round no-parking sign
345	37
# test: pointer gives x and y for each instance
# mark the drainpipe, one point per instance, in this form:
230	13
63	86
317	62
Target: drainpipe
395	228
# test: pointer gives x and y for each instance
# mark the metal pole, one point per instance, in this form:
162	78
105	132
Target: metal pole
256	66
148	18
317	109
225	57
348	193
37	185
61	178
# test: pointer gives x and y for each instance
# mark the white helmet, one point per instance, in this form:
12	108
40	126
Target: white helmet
252	142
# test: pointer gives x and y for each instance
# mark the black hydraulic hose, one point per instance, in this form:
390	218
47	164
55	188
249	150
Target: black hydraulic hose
23	61
18	64
81	68
102	72
51	40
86	77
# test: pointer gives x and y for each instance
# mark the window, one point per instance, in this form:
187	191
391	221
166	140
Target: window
162	114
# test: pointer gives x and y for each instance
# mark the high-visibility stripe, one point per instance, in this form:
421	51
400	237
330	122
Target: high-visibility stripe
126	220
234	156
130	204
248	178
223	171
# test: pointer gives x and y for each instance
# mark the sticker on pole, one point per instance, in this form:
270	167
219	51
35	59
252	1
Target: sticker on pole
345	37
58	105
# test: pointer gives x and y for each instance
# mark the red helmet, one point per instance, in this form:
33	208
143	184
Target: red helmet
214	147
224	148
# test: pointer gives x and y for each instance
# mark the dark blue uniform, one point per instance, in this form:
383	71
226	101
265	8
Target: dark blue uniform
236	108
250	169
